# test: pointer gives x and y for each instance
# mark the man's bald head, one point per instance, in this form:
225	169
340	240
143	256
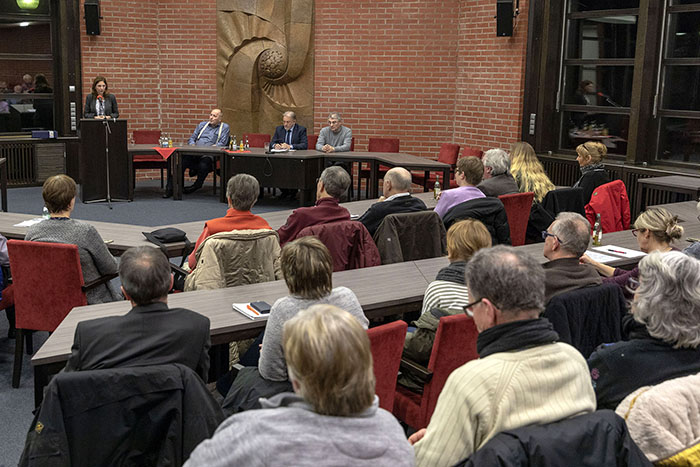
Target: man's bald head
399	180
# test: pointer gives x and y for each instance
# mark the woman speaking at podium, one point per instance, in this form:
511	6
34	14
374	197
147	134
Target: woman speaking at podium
100	103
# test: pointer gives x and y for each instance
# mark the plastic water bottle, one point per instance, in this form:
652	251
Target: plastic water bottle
45	213
436	188
247	146
234	144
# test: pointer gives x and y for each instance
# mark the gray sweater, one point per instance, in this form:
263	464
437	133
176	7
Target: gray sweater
286	431
95	258
341	141
272	365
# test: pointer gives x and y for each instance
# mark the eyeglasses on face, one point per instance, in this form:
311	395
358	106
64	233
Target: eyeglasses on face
546	234
466	308
635	232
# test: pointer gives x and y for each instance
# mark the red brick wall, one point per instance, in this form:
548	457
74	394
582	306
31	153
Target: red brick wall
426	72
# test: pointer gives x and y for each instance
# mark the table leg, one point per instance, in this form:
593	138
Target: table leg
41	379
223	175
445	179
178	176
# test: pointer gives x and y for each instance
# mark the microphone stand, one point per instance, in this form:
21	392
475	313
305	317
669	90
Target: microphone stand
108	131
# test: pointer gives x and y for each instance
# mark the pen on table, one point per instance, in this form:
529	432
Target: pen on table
253	310
617	251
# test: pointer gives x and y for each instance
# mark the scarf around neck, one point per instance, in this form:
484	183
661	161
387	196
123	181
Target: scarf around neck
454	272
516	335
592	167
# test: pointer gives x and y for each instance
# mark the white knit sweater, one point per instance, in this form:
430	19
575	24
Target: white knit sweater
504	391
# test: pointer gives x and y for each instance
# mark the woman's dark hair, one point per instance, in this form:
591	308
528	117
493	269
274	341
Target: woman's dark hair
97	80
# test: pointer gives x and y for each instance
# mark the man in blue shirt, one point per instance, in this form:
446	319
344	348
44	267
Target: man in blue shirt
212	132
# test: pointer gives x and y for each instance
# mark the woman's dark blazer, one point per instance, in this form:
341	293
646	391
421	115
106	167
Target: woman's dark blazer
110	101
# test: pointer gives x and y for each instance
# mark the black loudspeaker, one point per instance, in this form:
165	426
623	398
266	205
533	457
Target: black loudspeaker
504	18
92	17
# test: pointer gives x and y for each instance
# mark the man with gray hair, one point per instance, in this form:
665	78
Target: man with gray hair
332	184
565	241
523	376
149	334
242	193
335	137
497	178
396	197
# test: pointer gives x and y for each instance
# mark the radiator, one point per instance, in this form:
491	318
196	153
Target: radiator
20	163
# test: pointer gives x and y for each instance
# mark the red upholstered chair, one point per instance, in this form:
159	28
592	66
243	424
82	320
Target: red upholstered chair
386	342
257	140
349	242
518	208
455	345
376	145
148	161
448	154
47	282
312	139
467	151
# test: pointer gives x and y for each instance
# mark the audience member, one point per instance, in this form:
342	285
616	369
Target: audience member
333	416
655	230
149	334
528	171
396	197
307	267
332	184
241	193
590	157
27	83
497	180
212	132
95	259
694	249
523	376
565	241
335	137
667	344
289	135
448	293
41	84
468	174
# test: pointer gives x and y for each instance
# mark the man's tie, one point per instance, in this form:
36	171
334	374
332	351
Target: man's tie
289	137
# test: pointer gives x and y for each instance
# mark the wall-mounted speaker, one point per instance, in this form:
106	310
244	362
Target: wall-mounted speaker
92	17
504	18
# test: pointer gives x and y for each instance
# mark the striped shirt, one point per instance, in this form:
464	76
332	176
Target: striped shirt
450	297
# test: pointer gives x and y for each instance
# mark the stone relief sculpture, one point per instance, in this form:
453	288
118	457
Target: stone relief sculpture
265	63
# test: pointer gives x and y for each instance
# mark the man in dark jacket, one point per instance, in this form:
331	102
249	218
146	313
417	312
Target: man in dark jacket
396	197
566	240
497	178
149	334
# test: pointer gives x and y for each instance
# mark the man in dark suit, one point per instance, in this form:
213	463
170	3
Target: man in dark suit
396	197
149	334
288	136
497	178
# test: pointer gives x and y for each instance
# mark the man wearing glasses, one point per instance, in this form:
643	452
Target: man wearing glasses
335	137
523	376
565	241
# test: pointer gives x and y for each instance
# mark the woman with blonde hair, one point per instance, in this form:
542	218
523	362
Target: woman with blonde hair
528	171
448	293
655	230
590	157
333	415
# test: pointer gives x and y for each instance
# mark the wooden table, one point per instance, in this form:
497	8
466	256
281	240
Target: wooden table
686	211
672	183
381	290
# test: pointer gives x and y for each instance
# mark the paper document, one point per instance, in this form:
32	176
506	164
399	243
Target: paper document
246	310
279	150
29	222
620	251
601	258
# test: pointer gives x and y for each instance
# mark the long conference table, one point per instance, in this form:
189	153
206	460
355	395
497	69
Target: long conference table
382	291
292	169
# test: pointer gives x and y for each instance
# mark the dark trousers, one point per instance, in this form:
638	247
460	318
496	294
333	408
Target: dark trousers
197	165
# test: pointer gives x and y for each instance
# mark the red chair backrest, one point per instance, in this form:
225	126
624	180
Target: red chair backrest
146	136
257	140
467	151
312	139
455	345
383	145
47	281
449	152
386	342
352	144
349	243
518	208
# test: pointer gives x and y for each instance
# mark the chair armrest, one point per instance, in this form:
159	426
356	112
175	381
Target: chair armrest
416	369
178	270
99	281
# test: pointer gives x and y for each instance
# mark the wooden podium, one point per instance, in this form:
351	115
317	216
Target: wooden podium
102	141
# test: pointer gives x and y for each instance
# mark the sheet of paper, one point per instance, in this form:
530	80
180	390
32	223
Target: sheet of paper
279	150
601	258
620	251
29	222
